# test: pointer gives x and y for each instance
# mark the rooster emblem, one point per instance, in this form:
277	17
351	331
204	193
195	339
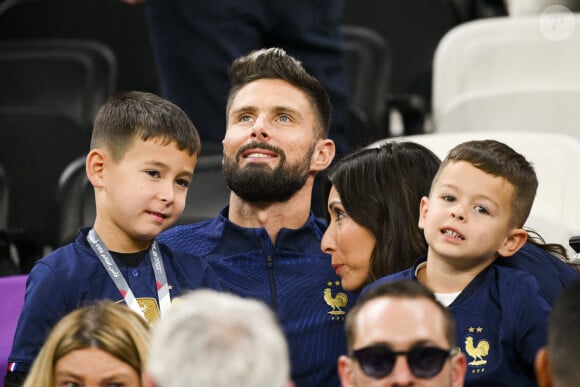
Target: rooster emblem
335	302
477	353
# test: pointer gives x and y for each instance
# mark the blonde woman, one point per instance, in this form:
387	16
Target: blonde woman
101	344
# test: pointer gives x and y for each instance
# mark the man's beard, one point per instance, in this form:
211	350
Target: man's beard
257	183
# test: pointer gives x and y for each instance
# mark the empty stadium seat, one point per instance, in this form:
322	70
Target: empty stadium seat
36	146
70	76
4	198
369	70
509	73
74	205
208	193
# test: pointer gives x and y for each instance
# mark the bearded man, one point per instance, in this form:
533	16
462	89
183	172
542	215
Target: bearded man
266	243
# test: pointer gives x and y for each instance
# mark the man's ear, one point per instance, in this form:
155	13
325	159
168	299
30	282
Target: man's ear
459	364
516	238
423	209
95	166
324	152
345	371
542	367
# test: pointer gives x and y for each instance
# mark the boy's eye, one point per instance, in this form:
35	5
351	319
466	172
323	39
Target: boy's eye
340	214
153	173
481	210
182	183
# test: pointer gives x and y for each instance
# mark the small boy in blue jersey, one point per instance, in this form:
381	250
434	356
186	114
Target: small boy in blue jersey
478	203
141	162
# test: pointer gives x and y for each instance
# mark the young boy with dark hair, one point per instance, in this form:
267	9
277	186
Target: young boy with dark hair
478	203
143	154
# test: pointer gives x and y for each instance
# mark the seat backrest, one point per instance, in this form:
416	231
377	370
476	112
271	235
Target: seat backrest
71	76
74	205
413	28
56	19
368	64
4	198
538	110
507	58
12	289
36	146
208	193
555	214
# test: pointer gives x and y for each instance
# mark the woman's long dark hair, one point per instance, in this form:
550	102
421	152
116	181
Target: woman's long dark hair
381	188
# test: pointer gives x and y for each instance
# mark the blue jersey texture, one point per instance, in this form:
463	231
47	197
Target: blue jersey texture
553	274
72	276
501	320
293	277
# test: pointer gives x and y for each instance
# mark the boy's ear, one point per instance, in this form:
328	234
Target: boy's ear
147	380
324	152
542	367
515	240
423	209
95	166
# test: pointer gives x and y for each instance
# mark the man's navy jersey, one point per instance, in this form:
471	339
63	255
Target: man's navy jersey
293	276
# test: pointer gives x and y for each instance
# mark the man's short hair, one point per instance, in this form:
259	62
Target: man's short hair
402	289
275	63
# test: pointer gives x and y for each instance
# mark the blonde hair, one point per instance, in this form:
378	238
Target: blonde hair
105	325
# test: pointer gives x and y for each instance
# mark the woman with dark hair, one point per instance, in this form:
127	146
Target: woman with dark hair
378	189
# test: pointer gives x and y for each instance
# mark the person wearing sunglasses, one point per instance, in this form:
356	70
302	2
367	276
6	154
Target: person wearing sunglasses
398	334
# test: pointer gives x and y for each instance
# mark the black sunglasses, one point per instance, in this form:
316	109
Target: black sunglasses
424	362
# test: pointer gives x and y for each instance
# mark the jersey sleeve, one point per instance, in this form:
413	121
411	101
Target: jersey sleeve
530	317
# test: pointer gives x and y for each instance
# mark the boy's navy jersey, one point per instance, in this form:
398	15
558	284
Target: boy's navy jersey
293	276
73	276
500	321
552	274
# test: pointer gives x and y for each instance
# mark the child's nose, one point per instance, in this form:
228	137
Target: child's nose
458	212
167	193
